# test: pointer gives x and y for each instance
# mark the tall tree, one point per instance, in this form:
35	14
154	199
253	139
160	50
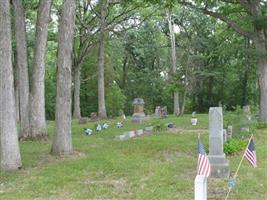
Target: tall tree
9	147
21	61
37	112
101	61
176	106
255	29
62	142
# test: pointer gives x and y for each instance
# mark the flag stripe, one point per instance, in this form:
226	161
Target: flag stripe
203	161
250	153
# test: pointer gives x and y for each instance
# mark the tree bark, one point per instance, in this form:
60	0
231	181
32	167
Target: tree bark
22	65
37	112
101	63
62	142
77	86
176	106
9	147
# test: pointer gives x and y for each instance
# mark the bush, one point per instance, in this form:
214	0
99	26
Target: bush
261	125
115	101
233	146
239	122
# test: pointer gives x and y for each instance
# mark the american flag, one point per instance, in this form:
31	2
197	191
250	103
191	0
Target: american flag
250	153
203	161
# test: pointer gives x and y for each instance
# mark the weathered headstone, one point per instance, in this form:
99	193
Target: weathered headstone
229	132
200	187
148	129
139	132
224	135
219	164
247	112
157	111
164	111
93	116
83	120
138	115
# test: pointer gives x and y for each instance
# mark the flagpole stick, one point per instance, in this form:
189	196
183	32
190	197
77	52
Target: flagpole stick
229	190
242	158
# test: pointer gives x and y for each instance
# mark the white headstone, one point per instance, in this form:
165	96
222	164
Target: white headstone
200	187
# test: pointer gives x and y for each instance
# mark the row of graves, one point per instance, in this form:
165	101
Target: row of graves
219	165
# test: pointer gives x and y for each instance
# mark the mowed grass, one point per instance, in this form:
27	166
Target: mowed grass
157	166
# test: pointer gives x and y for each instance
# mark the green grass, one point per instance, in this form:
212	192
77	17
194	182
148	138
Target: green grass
158	166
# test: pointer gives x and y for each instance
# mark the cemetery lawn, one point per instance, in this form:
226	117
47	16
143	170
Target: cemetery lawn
158	166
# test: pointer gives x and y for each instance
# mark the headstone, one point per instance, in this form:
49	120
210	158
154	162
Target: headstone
129	134
194	114
219	164
224	135
247	112
139	132
164	111
83	120
229	132
123	116
200	187
139	115
93	116
148	129
194	121
157	111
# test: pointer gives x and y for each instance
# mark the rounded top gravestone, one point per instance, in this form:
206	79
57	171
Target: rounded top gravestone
138	104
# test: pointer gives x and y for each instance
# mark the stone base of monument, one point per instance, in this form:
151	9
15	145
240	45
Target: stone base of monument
219	167
139	117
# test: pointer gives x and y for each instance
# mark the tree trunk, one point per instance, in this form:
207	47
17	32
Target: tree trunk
9	147
176	106
262	75
184	101
101	63
77	86
37	112
22	63
16	85
62	142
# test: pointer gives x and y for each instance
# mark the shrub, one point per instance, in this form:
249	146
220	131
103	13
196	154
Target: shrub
115	101
261	125
233	146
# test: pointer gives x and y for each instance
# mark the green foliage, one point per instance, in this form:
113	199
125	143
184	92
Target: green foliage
159	126
261	125
115	101
239	121
233	146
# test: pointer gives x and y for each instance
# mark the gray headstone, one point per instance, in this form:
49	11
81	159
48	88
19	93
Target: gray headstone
201	187
148	129
224	135
139	132
219	164
229	132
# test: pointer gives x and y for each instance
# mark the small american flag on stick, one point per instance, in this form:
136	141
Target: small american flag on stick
203	161
250	153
